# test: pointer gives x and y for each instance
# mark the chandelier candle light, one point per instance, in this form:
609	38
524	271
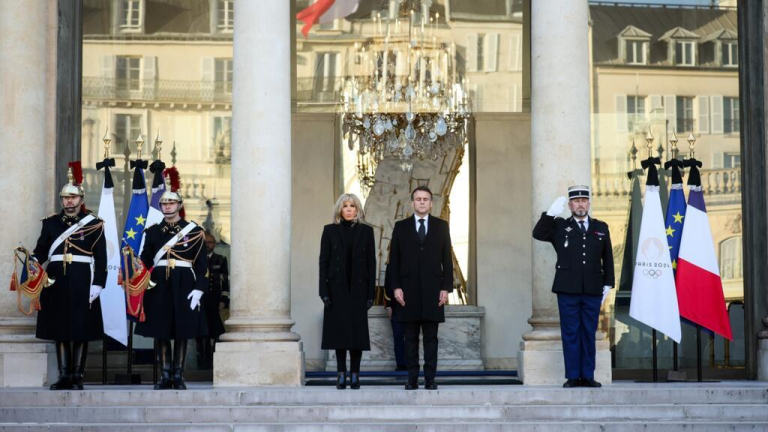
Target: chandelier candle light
402	97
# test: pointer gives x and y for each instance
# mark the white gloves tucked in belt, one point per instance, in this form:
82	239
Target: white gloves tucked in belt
557	207
95	293
606	290
195	295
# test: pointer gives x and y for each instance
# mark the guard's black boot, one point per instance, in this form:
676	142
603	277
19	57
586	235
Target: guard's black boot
164	360
179	354
354	381
79	355
341	380
64	361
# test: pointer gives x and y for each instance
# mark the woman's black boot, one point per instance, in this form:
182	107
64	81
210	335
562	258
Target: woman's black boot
341	381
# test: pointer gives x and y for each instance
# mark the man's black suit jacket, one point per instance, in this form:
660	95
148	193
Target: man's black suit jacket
421	269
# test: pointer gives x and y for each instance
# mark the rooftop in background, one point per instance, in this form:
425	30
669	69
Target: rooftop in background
610	19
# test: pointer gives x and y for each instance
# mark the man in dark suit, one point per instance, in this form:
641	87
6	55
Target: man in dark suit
422	276
215	300
583	277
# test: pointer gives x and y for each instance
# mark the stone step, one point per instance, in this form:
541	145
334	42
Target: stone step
624	394
403	427
390	413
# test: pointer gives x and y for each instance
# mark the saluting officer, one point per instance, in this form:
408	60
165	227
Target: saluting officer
583	277
175	250
72	242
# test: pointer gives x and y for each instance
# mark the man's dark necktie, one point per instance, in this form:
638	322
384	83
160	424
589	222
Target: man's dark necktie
583	228
422	230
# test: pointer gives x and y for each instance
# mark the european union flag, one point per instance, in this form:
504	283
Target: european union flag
138	209
675	212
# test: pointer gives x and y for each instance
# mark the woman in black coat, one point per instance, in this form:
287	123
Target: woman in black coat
347	278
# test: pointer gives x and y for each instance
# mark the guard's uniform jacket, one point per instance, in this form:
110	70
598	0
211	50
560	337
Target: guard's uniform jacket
66	314
218	292
166	304
584	261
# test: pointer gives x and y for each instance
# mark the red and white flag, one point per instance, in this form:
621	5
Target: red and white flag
325	11
699	287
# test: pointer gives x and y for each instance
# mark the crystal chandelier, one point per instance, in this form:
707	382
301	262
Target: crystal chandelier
403	97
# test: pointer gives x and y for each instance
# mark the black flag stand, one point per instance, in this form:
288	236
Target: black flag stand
655	357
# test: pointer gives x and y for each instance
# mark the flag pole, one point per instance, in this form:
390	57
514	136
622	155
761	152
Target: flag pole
655	358
698	353
104	359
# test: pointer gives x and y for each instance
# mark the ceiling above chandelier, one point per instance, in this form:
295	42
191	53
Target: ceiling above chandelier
403	96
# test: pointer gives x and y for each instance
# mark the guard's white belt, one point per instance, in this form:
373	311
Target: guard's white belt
179	263
72	258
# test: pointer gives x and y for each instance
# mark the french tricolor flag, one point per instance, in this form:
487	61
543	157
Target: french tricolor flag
699	287
325	11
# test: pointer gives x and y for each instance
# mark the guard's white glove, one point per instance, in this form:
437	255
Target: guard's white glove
195	295
606	290
95	293
557	207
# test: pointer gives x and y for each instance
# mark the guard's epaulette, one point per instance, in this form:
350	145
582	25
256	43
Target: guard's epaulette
49	216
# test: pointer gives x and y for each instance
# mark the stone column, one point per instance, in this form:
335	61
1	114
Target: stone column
560	156
24	68
259	348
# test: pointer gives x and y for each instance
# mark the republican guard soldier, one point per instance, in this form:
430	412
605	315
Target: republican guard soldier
583	277
73	245
175	251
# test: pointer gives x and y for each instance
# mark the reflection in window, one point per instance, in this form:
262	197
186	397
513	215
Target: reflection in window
221	148
131	16
223	75
128	73
731	115
635	112
730	258
685	53
636	52
731	54
127	128
225	15
684	114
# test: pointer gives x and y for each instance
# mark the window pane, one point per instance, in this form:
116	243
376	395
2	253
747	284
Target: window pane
677	98
164	83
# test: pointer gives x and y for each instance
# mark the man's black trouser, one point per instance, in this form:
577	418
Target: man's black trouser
411	330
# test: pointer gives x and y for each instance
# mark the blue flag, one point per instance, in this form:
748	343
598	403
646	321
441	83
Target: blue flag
136	220
675	212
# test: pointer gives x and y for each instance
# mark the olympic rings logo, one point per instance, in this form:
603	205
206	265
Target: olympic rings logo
652	273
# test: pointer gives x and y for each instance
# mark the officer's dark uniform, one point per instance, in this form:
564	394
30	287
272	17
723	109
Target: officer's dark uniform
584	267
182	269
218	292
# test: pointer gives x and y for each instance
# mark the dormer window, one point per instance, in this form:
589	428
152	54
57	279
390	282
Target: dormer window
685	53
730	54
724	46
682	46
633	46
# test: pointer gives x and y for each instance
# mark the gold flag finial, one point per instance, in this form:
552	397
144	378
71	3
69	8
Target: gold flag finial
139	144
158	144
107	141
691	142
649	140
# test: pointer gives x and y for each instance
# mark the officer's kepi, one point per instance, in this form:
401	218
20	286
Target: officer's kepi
578	191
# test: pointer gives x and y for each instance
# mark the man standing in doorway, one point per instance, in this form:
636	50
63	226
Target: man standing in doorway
422	276
583	278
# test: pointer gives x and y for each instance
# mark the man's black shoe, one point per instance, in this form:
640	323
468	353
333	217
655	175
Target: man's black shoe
412	385
590	383
430	385
571	383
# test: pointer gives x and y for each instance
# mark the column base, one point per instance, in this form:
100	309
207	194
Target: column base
25	361
248	364
541	363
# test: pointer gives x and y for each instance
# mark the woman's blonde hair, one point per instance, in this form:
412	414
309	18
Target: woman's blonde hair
355	201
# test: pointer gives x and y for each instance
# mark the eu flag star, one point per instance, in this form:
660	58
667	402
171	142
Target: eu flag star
670	231
131	233
140	220
674	265
678	217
